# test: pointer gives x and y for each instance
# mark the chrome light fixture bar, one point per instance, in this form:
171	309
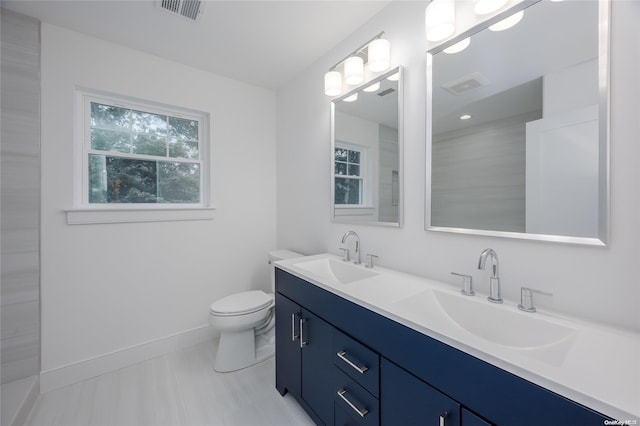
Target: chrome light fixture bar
374	56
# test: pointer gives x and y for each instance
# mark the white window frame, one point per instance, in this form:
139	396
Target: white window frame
365	196
84	212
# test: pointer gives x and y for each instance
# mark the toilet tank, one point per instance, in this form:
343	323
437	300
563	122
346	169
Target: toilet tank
276	255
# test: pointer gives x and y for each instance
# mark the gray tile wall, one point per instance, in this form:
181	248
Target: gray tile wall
20	196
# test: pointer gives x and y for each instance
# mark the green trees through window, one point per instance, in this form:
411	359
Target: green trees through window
142	157
348	177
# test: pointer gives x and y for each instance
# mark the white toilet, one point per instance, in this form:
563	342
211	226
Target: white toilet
246	323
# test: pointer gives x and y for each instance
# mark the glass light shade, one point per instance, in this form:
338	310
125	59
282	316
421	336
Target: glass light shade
394	77
351	98
379	55
440	19
459	46
372	87
354	70
507	22
485	7
333	83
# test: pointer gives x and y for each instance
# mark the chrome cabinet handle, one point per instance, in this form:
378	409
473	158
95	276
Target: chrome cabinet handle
342	356
361	411
443	418
303	342
293	327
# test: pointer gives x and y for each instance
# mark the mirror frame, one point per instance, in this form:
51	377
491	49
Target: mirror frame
604	75
399	224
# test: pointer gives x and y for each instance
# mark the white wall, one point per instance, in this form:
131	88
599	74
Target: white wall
600	284
106	288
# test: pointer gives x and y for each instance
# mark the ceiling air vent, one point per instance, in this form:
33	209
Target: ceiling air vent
190	9
386	92
466	83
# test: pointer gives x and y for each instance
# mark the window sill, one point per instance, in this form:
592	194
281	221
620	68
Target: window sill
97	216
353	211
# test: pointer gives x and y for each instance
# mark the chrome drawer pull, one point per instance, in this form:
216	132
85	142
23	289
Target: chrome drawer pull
293	327
342	356
361	411
443	418
303	342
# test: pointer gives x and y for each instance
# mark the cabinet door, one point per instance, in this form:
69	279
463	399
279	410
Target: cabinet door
470	419
288	362
406	400
317	365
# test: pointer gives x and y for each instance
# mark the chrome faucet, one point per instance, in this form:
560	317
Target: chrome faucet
344	239
494	280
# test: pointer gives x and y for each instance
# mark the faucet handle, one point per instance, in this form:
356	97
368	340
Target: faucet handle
526	298
345	254
369	259
467	284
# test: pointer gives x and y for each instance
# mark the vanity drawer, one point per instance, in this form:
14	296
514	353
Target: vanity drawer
353	404
357	361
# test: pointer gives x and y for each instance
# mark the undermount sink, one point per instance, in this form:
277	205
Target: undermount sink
502	324
336	270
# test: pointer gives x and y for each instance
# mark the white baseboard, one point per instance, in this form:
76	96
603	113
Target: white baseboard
86	369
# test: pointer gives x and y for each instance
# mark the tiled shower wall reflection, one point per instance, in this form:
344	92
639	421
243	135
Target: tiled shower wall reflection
20	188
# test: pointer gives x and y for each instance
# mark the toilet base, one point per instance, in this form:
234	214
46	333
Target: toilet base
243	349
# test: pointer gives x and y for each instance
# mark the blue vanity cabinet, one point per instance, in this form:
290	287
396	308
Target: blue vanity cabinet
356	382
419	378
470	419
304	365
407	400
288	359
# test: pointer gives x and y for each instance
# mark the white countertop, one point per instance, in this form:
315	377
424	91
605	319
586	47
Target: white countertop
597	366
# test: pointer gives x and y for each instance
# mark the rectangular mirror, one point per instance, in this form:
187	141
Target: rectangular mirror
518	127
366	149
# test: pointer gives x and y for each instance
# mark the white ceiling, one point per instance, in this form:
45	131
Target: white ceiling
265	43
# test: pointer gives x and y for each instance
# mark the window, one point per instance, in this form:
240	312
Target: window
140	155
349	175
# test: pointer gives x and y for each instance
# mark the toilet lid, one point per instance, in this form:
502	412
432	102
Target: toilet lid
242	303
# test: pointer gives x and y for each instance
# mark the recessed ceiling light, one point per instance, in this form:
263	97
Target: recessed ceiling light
465	117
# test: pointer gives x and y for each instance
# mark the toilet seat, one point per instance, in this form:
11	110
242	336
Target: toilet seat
243	303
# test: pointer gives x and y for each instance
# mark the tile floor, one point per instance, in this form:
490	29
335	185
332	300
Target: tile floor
178	389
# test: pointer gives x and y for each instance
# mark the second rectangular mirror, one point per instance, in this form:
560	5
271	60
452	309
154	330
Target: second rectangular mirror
366	147
518	134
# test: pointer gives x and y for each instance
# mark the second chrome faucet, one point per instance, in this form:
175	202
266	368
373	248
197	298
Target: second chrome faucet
346	235
494	279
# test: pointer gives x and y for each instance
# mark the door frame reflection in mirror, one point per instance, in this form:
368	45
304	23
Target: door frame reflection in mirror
396	193
603	134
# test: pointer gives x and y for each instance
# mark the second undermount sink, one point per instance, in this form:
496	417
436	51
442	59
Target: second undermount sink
501	324
336	270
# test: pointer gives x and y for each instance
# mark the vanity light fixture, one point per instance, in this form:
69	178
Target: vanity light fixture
372	57
354	70
351	98
333	83
440	19
379	55
485	7
507	23
372	87
368	76
394	77
459	46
